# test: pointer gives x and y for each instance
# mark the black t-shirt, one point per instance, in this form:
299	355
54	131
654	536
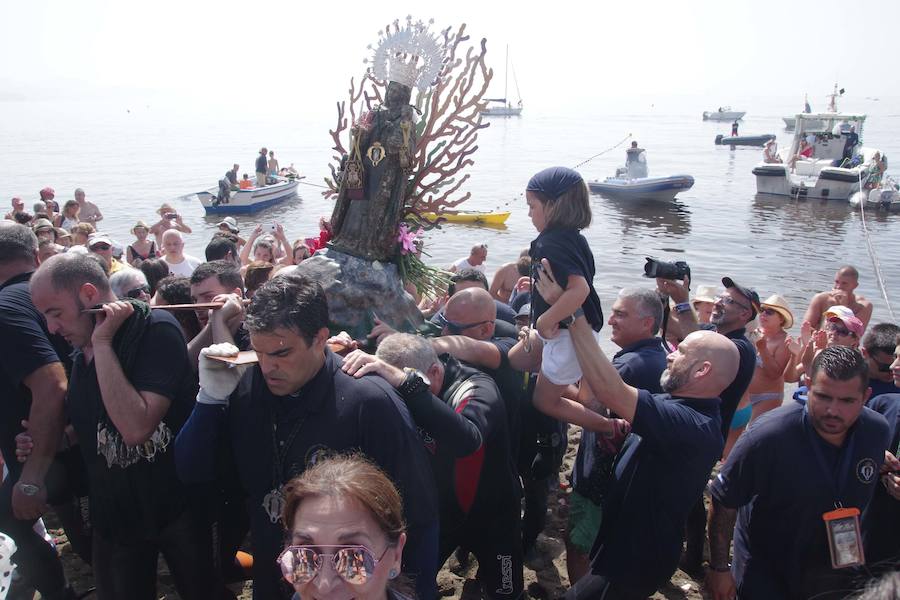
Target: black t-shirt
569	254
640	365
137	501
27	346
882	387
881	523
511	384
732	395
781	491
262	164
660	472
339	413
231	176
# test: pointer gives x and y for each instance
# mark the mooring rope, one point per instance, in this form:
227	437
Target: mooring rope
610	149
871	249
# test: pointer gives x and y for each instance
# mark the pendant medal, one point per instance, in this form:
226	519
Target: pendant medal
375	153
273	504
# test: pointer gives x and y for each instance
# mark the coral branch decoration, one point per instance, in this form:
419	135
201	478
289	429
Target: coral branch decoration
447	131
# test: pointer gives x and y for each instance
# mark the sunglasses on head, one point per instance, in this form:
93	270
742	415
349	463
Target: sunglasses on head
354	564
454	327
101	247
136	292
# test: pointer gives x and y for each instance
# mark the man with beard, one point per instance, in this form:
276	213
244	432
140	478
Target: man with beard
663	465
787	474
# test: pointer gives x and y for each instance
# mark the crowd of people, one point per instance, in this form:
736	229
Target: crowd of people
326	466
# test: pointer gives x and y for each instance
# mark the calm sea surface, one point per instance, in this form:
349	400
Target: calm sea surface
131	162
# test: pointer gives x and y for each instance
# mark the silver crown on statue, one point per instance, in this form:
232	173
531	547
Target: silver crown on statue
410	55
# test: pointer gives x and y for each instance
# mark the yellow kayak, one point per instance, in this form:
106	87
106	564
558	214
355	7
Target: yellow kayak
470	216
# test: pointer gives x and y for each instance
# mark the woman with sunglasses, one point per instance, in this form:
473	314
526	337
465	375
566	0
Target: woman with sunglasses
344	521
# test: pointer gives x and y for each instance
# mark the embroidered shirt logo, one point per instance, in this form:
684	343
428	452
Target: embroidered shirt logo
866	470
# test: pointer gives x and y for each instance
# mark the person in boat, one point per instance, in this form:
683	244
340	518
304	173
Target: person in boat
635	161
805	151
734	129
232	176
273	166
875	171
246	183
262	167
770	154
850	143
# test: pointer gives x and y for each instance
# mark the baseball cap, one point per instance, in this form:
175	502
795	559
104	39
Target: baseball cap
747	293
846	316
99	238
525	311
838	311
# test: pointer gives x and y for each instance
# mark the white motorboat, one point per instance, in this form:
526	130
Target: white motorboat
502	106
723	114
249	200
825	174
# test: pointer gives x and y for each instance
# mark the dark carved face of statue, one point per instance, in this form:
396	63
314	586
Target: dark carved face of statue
397	95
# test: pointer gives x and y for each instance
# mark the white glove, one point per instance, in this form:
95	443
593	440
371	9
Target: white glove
218	379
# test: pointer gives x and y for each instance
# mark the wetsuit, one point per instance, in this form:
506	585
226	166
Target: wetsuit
465	431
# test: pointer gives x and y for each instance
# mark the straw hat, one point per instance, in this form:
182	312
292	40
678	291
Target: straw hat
140	224
165	208
705	293
780	305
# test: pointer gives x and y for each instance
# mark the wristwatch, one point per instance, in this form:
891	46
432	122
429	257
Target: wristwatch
579	312
29	489
416	381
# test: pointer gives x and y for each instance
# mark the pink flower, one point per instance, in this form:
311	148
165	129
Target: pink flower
407	238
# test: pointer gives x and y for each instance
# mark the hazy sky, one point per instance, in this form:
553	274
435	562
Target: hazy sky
564	52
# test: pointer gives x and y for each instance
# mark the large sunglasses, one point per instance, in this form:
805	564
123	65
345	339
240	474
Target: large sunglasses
354	564
882	367
454	327
728	300
135	294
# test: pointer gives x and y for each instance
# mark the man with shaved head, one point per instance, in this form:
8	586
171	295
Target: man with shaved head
846	280
180	264
663	465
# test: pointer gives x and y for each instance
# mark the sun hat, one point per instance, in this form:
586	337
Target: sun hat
140	224
42	224
99	238
747	293
705	293
230	223
838	311
780	305
165	208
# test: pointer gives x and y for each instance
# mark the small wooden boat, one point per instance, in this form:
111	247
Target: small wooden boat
470	216
643	188
249	200
743	140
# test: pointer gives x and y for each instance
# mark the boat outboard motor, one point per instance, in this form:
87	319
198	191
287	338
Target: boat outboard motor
719	139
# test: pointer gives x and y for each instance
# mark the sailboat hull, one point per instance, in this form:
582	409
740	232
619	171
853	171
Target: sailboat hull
502	111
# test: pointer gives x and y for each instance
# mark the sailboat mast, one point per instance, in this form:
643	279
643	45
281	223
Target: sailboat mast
506	76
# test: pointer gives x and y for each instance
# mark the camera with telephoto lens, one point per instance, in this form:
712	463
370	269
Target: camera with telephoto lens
666	270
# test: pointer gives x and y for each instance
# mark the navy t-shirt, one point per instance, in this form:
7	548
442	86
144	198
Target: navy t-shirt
262	164
731	396
882	387
781	491
569	254
136	502
639	365
660	472
881	522
27	346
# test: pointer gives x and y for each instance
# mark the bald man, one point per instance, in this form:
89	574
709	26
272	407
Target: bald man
846	280
180	264
663	465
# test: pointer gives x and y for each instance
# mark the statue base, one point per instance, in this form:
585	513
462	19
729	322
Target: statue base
359	290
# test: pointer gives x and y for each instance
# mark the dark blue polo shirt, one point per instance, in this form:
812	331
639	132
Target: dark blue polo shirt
882	387
339	413
659	474
640	365
781	491
881	525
